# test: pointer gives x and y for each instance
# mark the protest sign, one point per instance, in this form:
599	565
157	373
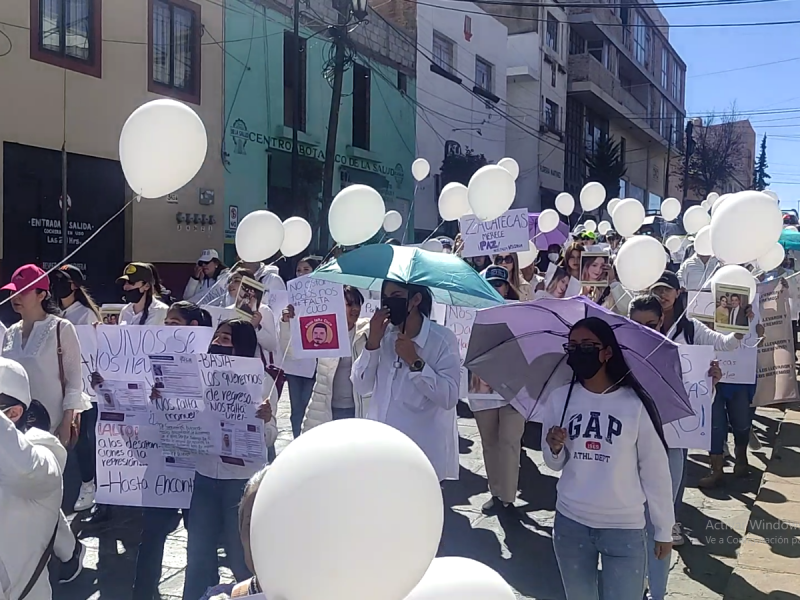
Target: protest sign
369	308
248	299
701	306
220	314
776	368
319	328
459	320
695	431
507	233
87	336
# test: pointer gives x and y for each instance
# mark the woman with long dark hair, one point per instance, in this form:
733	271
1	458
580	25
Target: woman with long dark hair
141	289
67	285
604	433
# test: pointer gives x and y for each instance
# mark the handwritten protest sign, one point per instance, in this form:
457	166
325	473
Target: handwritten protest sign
87	336
507	233
776	367
459	320
319	328
695	431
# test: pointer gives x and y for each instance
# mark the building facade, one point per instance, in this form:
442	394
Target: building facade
73	72
375	142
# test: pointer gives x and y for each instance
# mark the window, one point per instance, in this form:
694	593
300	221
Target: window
174	61
663	122
443	54
577	45
595	49
362	79
677	80
623	188
641	40
653	203
553	74
483	74
402	82
552	32
664	68
551	115
67	34
294	92
623	150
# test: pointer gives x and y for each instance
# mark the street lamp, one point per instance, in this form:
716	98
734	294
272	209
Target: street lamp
359	9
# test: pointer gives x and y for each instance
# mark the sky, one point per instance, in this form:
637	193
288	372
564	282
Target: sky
775	86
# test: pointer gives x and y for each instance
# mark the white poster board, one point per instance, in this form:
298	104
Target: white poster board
87	336
319	329
695	431
507	233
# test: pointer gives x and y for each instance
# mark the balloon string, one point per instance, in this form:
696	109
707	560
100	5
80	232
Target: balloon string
438	227
70	255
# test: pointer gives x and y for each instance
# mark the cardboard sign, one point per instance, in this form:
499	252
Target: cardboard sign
776	362
507	233
319	328
694	432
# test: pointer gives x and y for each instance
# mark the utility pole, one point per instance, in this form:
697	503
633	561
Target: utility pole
296	101
669	161
687	156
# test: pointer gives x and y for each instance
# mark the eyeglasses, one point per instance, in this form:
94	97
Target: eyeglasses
569	347
508	260
202	263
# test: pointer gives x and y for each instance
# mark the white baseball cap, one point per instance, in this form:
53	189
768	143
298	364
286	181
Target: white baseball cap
208	256
14	381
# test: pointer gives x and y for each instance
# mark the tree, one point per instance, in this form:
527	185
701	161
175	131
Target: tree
718	154
760	176
606	166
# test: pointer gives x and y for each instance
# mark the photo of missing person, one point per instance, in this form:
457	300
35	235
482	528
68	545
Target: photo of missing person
108	400
731	309
249	298
558	284
319	332
226	442
595	269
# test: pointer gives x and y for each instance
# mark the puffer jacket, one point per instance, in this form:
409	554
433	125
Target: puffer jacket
319	408
31	487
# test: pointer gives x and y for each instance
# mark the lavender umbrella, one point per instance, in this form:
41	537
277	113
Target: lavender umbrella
517	349
543	240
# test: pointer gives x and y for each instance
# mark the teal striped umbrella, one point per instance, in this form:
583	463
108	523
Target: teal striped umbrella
790	239
450	279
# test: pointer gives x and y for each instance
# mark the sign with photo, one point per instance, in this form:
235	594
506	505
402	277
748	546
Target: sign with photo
730	308
595	267
559	284
319	328
507	233
248	300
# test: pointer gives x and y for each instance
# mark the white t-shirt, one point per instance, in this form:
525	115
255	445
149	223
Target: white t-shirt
155	316
78	314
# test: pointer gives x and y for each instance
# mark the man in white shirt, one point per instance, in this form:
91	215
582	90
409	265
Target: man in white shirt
412	368
696	271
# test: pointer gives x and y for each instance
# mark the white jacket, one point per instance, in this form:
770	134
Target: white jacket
269	276
31	487
319	408
204	291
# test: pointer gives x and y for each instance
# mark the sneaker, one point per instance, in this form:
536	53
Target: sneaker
73	567
85	499
677	535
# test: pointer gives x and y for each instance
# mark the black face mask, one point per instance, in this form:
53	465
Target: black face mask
398	309
585	363
61	289
133	296
217	349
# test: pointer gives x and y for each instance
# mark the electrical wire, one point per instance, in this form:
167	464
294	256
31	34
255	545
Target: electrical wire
612	5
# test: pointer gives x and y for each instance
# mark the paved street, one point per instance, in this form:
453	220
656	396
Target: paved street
521	550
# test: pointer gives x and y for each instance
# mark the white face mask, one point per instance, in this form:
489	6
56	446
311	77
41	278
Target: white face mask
553	257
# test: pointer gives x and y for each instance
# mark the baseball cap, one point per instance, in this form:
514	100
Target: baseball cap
28	277
208	255
496	273
667	279
14	381
136	272
74	273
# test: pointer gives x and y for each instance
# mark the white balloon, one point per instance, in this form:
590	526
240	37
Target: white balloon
297	236
162	147
706	205
590	225
420	169
356	214
773	258
603	227
628	217
432	245
718	202
641	260
745	227
340	492
525	258
593	195
772	195
453	202
670	209
548	220
712	197
491	192
735	275
510	165
458	578
565	203
612	204
702	242
259	236
392	221
674	243
694	219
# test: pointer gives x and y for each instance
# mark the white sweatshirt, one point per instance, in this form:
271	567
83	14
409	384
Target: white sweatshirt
613	461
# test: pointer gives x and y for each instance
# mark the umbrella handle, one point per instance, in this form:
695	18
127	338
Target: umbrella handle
566	404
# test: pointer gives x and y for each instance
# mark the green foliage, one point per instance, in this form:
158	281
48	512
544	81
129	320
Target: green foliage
760	176
607	166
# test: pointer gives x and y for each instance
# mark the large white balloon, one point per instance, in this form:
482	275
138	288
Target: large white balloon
612	204
628	217
718	202
590	225
453	202
162	147
773	195
694	219
745	227
565	203
356	215
359	500
420	169
702	242
773	258
259	236
297	236
392	221
674	243
670	209
432	245
548	220
510	165
525	258
593	195
641	260
734	275
491	192
603	227
458	578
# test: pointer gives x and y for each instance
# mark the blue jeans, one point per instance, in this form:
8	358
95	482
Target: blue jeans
215	519
731	406
299	396
623	555
658	570
343	413
157	524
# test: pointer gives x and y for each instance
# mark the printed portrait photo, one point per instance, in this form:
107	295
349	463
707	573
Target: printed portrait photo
731	305
248	301
319	332
595	269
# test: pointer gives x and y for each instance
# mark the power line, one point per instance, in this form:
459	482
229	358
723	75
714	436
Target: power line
766	64
659	5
